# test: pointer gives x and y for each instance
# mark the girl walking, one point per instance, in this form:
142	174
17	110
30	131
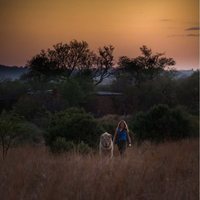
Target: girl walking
121	137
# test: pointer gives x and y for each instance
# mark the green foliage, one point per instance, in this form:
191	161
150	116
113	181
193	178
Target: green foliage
194	125
74	125
83	148
10	130
29	107
60	145
87	86
76	91
40	85
71	58
108	127
164	89
37	109
12	88
161	123
30	133
145	67
10	91
122	82
108	123
15	130
161	90
188	93
71	91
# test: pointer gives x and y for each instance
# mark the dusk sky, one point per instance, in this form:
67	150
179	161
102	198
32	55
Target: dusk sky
169	26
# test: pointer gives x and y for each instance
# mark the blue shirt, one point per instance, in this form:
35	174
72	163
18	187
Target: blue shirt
121	135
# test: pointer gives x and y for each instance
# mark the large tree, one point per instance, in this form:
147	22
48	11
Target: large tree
72	58
147	66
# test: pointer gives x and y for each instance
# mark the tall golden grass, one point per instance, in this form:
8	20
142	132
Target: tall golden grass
167	171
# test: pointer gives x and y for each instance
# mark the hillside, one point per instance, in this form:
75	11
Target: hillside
11	72
14	72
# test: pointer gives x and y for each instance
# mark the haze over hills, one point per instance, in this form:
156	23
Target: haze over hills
15	72
11	72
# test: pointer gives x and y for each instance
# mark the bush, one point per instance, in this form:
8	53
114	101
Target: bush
10	91
29	107
188	93
74	125
10	130
60	145
108	123
194	122
150	93
161	123
36	109
83	148
76	91
31	133
71	92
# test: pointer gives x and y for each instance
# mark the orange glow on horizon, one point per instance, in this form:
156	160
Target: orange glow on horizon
29	26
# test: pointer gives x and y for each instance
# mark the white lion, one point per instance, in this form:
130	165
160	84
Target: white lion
106	145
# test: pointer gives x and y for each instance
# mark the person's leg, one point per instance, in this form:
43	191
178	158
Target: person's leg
122	147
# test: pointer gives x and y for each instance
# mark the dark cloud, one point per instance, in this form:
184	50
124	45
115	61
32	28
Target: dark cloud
195	28
176	35
183	35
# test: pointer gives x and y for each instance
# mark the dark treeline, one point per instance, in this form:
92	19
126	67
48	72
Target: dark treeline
54	101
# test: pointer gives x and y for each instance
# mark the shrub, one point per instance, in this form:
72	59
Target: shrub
29	107
12	88
30	133
108	123
161	123
188	93
83	148
194	125
10	130
60	145
76	91
71	92
10	91
74	125
151	93
36	109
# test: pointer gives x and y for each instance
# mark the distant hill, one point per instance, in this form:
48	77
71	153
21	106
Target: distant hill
184	73
178	75
14	72
11	72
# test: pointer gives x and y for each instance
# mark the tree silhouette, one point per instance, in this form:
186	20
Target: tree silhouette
104	64
72	58
147	66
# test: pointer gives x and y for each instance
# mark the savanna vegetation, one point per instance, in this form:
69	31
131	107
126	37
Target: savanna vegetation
153	172
55	95
49	133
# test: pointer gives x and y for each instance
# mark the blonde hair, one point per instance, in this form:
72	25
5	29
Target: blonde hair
126	126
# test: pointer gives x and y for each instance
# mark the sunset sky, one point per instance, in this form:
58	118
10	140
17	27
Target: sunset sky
169	26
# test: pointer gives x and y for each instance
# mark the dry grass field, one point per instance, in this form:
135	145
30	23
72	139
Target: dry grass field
168	171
